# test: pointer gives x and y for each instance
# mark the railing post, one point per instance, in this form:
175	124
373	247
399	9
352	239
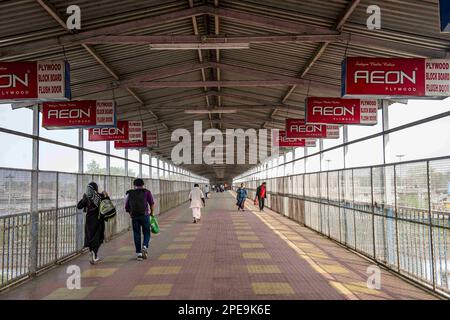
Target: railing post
79	216
56	217
34	210
353	208
430	222
126	162
140	163
396	218
345	140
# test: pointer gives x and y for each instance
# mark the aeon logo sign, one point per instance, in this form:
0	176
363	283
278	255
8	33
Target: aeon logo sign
306	128
108	131
333	111
68	114
238	147
13	80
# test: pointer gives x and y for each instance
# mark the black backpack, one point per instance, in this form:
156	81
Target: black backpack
137	202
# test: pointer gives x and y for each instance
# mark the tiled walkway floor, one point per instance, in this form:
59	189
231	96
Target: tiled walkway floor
229	255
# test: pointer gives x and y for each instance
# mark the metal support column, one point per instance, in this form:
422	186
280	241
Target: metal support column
126	163
321	154
80	187
34	210
140	163
108	166
430	221
385	124
345	137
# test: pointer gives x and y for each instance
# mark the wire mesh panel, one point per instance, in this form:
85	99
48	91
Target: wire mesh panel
364	234
386	240
333	186
47	233
439	179
15	191
67	190
324	219
362	189
314	185
323	181
334	222
14	247
348	226
315	215
66	241
47	190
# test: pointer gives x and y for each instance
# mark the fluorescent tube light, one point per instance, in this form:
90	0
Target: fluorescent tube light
205	111
196	46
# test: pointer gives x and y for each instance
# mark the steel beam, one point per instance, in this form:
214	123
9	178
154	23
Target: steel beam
228	83
319	52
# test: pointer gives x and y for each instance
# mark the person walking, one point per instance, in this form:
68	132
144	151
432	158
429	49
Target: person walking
94	229
241	195
197	200
261	195
206	191
137	205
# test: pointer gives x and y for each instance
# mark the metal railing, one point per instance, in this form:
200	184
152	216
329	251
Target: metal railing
60	226
397	215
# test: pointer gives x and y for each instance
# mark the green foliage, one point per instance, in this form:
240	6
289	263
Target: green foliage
93	167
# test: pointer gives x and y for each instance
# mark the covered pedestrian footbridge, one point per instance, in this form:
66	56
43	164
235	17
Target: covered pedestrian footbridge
228	255
361	211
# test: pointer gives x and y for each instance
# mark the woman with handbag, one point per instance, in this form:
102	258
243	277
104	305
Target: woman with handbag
94	230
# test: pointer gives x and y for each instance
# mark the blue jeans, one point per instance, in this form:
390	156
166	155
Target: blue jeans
138	223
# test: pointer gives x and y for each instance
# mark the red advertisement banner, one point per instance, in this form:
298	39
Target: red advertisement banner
281	140
341	111
79	114
395	77
135	130
297	128
152	139
121	132
34	81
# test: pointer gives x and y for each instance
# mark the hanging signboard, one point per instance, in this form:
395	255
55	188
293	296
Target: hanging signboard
121	132
79	114
341	111
135	130
395	78
147	142
297	128
280	140
444	15
34	81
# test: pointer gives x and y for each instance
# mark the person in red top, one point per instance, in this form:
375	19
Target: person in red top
261	195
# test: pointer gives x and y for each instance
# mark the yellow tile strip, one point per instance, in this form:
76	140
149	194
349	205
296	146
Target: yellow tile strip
151	290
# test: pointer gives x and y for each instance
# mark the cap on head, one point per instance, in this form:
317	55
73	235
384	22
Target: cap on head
138	182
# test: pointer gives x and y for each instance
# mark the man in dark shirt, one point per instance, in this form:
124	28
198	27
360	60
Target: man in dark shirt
137	205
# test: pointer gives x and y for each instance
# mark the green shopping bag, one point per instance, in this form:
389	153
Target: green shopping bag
154	227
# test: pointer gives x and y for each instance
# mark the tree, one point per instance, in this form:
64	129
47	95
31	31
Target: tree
93	167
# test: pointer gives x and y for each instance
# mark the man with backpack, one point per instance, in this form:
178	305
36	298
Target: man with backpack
137	205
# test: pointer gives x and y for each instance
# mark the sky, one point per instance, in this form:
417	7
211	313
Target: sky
424	141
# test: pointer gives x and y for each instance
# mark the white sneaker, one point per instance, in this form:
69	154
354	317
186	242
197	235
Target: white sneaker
140	257
94	259
144	252
91	257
